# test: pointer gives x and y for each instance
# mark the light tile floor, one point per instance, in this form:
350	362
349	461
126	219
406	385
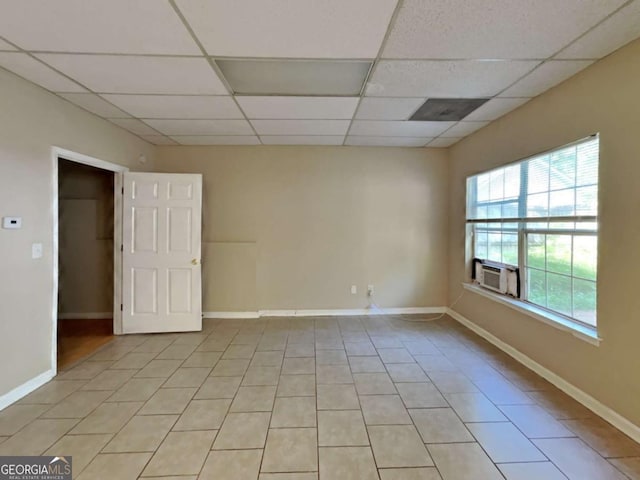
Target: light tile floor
387	398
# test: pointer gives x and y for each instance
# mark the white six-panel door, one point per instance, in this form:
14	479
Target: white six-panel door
161	285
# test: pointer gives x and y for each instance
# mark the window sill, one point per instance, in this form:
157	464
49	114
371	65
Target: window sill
583	332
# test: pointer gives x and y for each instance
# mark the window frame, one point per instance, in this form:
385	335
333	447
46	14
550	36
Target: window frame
524	230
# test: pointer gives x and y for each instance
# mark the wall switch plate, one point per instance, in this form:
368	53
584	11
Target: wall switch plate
11	222
36	250
354	289
370	290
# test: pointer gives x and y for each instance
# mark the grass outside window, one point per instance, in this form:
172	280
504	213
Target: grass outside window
540	214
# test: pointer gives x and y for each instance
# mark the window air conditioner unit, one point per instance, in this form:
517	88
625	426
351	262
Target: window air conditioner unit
494	278
498	277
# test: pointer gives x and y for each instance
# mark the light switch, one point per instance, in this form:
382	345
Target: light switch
11	222
36	250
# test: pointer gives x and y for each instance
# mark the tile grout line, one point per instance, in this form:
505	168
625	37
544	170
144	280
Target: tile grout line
406	408
484	353
101	452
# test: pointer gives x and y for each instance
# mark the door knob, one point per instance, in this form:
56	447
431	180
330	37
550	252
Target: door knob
194	262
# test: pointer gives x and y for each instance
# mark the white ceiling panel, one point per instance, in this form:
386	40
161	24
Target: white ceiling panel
298	107
360	140
301	127
443	142
613	33
177	106
491	28
398	129
547	75
495	108
216	139
95	104
5	46
159	140
38	73
285	28
445	78
139	74
388	108
134	126
462	129
113	26
201	127
302	139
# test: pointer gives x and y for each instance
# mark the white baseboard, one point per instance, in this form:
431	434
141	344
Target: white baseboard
408	311
614	418
327	312
230	315
351	312
25	389
85	316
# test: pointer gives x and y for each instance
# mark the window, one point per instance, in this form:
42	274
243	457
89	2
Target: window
541	215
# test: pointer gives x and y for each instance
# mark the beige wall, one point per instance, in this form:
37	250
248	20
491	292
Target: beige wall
85	232
31	122
295	227
604	98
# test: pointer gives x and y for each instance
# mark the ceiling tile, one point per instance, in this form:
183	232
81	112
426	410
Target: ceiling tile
285	28
495	108
302	139
177	106
113	26
298	107
134	126
445	79
398	129
388	108
139	74
547	75
613	33
491	28
5	46
159	140
201	127
216	139
462	129
387	141
444	141
95	104
301	127
295	77
38	73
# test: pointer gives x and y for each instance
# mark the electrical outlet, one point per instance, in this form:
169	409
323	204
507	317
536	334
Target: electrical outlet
370	291
354	289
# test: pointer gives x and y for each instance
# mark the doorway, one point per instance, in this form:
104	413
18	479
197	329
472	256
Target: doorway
85	260
161	252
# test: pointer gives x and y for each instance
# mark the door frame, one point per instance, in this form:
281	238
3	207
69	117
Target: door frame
58	153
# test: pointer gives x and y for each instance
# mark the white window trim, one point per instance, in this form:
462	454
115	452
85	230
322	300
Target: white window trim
555	319
578	330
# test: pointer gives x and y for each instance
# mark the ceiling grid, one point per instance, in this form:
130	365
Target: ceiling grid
245	72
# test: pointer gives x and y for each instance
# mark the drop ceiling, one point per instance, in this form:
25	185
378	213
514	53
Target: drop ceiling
307	72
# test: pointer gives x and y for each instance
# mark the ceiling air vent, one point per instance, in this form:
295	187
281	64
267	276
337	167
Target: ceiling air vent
446	109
